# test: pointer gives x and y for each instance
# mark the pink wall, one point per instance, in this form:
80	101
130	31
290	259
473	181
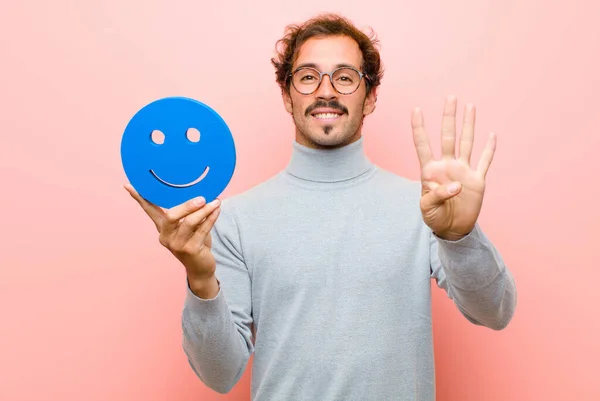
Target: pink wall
90	300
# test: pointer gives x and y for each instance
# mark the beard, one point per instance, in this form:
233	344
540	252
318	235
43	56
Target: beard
327	136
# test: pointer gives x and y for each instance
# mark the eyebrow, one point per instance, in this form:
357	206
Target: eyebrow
313	65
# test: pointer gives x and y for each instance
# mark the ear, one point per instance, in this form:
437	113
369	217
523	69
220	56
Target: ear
287	101
370	101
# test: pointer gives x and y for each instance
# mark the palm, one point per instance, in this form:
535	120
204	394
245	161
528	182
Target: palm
451	215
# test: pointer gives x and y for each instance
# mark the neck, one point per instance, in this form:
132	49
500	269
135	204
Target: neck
329	165
305	141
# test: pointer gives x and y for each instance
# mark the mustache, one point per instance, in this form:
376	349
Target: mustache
330	105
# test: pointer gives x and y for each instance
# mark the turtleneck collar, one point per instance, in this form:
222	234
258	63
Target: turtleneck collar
329	165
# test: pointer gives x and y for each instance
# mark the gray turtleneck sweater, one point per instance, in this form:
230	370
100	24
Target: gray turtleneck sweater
325	273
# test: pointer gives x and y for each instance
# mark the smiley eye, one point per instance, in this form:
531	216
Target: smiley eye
193	135
157	137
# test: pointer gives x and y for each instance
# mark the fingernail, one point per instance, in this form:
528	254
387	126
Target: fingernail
198	201
452	188
216	202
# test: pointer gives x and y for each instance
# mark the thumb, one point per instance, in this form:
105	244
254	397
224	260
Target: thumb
440	195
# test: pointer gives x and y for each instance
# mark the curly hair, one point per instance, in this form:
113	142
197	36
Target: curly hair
321	26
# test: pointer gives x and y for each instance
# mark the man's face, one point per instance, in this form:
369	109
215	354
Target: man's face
325	118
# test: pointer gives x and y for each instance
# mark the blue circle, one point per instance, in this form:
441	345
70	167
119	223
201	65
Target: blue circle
165	159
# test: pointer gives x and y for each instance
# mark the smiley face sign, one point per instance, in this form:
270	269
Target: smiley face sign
175	149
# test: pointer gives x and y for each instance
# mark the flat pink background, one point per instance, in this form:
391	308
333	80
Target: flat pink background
91	302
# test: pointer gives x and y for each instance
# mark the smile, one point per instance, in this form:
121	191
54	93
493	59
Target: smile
326	116
197	180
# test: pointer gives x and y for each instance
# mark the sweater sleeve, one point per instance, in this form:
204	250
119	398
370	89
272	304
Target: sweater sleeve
217	333
472	272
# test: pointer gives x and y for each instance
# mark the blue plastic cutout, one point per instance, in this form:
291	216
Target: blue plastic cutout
175	149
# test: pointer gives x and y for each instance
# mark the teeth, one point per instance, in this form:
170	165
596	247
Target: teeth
326	115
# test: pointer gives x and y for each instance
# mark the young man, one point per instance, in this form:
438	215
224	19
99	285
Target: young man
323	271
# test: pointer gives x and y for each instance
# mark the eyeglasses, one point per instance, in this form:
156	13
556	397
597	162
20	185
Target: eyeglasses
345	80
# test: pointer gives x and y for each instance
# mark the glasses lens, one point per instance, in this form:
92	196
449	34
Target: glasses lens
346	80
306	80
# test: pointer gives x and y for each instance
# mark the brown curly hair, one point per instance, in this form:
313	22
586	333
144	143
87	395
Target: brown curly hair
320	26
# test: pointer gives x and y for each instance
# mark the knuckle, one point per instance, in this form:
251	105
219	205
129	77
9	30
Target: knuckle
170	217
189	223
178	247
202	230
164	241
189	248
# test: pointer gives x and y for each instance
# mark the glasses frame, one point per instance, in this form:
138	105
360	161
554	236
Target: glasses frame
330	74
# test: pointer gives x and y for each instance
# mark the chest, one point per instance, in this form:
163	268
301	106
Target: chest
338	249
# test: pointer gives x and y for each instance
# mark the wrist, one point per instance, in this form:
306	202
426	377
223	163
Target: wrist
449	236
204	287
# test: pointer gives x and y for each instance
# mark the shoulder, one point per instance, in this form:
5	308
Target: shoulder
388	182
254	198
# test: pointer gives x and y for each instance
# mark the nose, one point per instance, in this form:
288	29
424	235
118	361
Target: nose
326	90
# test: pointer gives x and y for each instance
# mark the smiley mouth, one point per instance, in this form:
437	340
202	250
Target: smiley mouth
197	180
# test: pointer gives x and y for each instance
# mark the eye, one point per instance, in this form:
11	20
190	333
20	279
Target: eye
157	137
345	78
308	77
193	135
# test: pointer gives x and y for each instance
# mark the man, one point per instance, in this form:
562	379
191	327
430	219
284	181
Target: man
323	271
